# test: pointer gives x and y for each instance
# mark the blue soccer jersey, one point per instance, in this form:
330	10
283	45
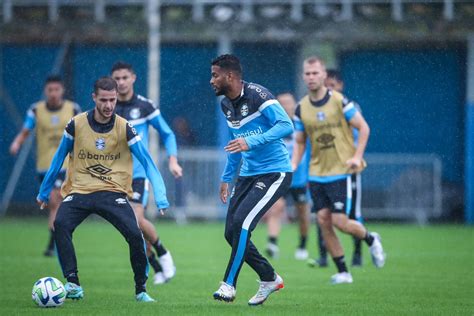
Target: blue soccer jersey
141	113
259	118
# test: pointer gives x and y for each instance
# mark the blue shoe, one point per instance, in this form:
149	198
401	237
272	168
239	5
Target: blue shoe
144	297
74	291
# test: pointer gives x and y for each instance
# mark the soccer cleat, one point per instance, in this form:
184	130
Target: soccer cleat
376	251
342	277
265	289
357	260
159	278
144	297
225	293
321	262
272	251
167	264
301	254
73	291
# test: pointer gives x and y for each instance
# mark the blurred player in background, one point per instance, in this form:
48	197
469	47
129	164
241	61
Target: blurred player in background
257	125
334	82
326	117
49	117
99	180
141	113
298	192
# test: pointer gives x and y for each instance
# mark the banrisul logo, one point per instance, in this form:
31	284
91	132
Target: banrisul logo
100	143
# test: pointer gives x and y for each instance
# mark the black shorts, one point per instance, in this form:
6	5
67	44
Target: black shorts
338	196
59	179
140	191
298	194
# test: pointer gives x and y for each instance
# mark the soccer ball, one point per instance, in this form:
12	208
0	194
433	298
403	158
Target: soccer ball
48	292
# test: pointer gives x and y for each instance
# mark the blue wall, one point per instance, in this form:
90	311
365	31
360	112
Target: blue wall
24	69
413	101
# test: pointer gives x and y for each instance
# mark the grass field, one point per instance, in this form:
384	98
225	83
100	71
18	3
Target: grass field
429	271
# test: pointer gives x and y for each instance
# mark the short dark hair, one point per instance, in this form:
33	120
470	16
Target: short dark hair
228	62
122	65
105	83
334	74
53	78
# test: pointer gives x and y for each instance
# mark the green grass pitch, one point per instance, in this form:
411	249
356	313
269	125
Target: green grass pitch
429	271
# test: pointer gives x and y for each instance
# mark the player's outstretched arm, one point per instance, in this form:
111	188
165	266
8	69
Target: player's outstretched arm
152	173
281	125
169	139
66	145
19	140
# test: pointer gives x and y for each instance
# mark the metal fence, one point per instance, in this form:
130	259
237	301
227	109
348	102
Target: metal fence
394	186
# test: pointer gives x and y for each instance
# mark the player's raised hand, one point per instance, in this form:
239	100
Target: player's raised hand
224	192
236	146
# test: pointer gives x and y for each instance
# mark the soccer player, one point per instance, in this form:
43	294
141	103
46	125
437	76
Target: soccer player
334	82
257	125
49	117
326	117
298	192
142	113
99	180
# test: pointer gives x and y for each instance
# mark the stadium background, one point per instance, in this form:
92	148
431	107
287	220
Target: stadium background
406	62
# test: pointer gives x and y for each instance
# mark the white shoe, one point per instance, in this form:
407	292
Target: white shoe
159	278
225	293
167	264
376	251
265	289
301	254
272	251
342	277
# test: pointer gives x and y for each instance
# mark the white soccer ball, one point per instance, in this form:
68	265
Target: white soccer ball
48	292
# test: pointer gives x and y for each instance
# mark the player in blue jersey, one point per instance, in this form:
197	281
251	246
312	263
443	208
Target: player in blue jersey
257	125
334	82
298	192
100	145
142	113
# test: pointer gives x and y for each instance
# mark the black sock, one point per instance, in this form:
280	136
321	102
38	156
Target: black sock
340	264
273	240
140	288
369	239
51	240
322	247
357	246
154	263
302	242
160	249
73	278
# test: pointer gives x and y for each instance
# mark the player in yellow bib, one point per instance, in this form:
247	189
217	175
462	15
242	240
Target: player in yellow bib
49	117
326	117
100	144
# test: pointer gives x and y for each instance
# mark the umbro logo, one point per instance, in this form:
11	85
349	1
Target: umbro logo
68	198
338	206
136	195
99	169
260	185
121	201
